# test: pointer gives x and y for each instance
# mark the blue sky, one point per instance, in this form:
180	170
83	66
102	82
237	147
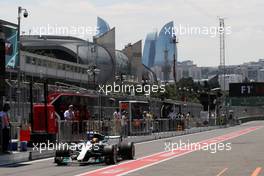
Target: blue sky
133	19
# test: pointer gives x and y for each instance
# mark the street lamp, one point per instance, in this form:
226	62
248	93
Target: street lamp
175	41
25	14
121	77
93	71
2	67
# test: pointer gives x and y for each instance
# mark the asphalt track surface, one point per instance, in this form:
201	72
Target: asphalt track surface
240	153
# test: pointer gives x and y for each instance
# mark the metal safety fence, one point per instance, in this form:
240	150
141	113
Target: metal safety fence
78	130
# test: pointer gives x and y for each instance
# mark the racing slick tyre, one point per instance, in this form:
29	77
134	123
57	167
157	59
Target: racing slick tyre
127	150
110	154
59	155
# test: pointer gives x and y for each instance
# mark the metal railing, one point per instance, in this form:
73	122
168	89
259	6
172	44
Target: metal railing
78	130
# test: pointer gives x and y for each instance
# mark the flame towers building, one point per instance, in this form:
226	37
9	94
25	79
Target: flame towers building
149	49
159	51
102	26
164	44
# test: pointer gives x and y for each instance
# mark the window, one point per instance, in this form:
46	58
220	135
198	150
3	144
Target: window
28	60
33	61
77	69
44	63
60	66
38	62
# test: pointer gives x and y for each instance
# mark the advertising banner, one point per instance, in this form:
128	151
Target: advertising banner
11	49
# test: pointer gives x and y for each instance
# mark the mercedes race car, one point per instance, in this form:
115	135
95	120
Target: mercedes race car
98	148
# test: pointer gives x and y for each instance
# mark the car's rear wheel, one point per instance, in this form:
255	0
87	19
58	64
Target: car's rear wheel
127	150
110	154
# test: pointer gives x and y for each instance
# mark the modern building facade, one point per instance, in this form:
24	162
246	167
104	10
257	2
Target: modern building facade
225	80
250	71
165	44
261	75
70	50
134	53
159	52
187	69
69	58
107	41
149	51
102	26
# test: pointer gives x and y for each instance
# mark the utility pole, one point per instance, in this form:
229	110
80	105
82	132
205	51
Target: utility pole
166	66
25	14
222	48
18	65
2	68
222	69
175	41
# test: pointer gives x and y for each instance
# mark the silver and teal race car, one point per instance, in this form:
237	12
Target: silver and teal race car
97	148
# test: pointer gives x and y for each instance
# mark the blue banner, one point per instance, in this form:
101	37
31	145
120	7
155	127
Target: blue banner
11	47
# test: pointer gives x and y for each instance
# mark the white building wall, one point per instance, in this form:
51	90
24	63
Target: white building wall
261	75
232	78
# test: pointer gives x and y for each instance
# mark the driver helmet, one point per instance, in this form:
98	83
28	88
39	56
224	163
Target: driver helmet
95	140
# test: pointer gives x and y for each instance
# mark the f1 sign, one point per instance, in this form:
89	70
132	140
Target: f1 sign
246	89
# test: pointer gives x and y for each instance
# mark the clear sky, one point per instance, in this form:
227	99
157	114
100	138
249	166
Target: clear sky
133	19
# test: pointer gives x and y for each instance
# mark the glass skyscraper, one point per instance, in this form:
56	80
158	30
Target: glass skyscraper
102	26
149	49
165	44
159	51
156	46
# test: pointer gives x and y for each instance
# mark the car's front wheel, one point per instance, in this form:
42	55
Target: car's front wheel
110	154
59	155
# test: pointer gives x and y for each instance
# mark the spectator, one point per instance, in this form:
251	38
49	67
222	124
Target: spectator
149	116
149	121
78	116
117	118
124	124
144	115
116	114
172	115
5	127
69	114
188	117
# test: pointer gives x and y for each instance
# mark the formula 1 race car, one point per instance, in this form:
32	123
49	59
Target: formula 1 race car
98	148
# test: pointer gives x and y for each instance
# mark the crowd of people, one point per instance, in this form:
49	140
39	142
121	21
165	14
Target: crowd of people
184	119
76	113
120	122
141	119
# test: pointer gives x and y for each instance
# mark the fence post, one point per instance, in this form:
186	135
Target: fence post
2	76
31	105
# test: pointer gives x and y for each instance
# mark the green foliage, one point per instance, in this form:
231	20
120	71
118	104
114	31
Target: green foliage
186	90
